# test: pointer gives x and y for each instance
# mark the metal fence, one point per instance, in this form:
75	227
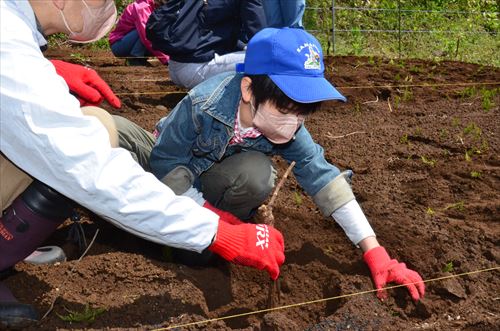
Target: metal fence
470	36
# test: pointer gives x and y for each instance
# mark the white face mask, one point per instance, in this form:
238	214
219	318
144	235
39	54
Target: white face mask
97	21
279	129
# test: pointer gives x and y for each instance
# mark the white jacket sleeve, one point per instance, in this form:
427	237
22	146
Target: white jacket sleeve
44	133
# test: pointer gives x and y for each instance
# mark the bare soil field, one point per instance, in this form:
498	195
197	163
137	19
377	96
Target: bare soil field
422	139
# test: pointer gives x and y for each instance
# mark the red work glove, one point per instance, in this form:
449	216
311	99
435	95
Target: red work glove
224	215
254	245
384	270
86	84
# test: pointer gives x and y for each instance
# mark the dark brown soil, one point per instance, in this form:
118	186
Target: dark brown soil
427	170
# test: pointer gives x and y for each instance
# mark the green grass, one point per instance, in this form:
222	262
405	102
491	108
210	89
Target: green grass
427	161
87	315
404	139
478	16
459	206
448	267
482	46
475	174
486	94
297	198
79	58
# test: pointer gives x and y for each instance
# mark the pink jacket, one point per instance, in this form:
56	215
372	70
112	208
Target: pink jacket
135	16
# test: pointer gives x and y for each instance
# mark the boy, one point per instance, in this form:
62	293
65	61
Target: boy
215	144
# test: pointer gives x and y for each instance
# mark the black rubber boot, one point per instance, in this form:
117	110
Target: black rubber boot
13	314
24	225
29	221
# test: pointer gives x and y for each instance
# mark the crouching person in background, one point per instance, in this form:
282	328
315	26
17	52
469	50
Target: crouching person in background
204	38
128	38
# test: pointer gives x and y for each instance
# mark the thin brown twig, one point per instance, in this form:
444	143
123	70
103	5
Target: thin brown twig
90	245
51	307
267	213
280	184
329	135
372	101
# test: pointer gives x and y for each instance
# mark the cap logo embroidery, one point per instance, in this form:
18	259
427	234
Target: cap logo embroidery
313	58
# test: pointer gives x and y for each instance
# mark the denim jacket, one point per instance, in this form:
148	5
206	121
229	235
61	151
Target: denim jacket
197	132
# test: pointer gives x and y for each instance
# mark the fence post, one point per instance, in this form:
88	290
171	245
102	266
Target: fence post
399	28
333	27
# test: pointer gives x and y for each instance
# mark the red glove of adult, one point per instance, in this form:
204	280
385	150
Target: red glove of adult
384	270
86	84
224	215
254	245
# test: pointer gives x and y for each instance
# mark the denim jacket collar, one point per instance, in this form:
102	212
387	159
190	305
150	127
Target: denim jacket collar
223	103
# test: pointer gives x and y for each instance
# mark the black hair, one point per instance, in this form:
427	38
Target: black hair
265	90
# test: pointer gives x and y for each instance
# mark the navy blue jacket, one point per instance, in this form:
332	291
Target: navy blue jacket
191	31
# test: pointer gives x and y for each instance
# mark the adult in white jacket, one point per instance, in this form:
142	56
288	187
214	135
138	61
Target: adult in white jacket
51	154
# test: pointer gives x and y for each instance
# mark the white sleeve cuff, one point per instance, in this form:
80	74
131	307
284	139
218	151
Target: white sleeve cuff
353	221
194	194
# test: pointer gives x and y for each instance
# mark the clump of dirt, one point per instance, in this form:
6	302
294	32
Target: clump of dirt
422	139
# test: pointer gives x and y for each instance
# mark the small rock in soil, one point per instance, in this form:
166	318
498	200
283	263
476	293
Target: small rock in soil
452	286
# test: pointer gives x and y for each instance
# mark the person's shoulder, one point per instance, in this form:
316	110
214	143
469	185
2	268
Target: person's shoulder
142	4
135	7
218	87
18	31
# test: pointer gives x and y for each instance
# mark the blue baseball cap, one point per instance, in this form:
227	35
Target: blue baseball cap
293	59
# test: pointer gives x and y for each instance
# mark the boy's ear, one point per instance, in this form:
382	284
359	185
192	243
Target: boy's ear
246	92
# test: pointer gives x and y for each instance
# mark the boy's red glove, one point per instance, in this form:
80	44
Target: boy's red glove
86	84
224	215
384	270
254	245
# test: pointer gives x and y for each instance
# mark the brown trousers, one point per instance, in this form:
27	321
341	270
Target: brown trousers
13	181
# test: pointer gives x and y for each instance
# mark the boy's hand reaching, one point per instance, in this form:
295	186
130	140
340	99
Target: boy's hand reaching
86	84
384	270
254	245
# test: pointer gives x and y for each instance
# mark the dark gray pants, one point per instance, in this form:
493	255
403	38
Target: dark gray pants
239	183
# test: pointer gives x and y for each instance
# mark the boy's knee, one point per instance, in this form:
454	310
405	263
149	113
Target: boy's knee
106	119
180	179
260	174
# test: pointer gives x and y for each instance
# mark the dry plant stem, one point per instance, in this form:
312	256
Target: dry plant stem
267	212
280	184
373	101
389	103
70	272
272	299
329	135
